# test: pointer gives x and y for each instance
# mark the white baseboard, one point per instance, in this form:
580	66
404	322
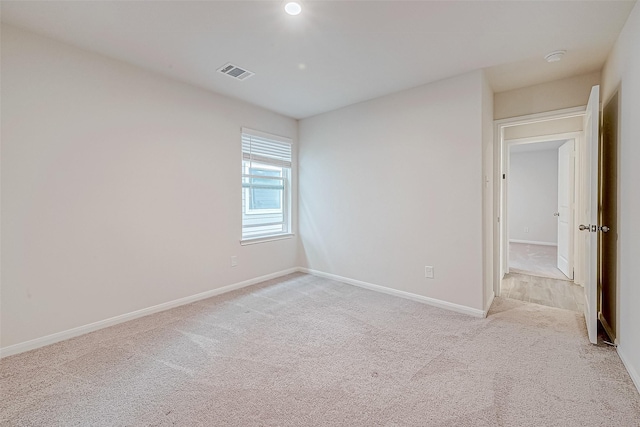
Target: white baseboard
635	377
402	294
488	306
533	242
85	329
81	330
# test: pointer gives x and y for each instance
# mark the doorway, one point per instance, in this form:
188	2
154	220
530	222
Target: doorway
540	206
540	132
596	201
539	202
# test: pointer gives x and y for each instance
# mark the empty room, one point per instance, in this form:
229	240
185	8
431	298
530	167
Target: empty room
319	213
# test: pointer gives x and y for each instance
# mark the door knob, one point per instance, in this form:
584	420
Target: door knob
604	229
556	214
584	227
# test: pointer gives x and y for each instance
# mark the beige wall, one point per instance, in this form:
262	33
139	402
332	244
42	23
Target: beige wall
391	185
622	71
120	189
556	95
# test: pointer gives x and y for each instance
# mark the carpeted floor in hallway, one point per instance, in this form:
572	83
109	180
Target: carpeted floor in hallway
307	351
536	260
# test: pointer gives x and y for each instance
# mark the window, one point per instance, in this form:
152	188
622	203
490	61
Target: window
266	185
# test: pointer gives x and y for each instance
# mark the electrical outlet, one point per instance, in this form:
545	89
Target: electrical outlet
526	229
428	272
234	261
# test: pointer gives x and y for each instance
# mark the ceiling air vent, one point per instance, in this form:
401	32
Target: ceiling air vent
235	71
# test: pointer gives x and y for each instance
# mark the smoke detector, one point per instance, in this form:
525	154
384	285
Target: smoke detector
555	56
234	71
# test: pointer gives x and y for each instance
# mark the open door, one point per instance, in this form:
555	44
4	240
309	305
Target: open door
608	218
589	212
565	208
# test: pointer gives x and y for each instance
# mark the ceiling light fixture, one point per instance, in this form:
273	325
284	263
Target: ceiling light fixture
293	8
555	56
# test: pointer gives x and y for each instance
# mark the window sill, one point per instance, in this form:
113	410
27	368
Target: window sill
266	239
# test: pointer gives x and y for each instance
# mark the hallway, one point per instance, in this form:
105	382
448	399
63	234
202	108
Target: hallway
543	290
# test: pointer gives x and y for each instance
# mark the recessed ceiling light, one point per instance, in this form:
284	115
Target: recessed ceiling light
293	8
555	56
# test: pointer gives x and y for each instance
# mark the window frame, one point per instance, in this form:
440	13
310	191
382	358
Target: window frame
271	152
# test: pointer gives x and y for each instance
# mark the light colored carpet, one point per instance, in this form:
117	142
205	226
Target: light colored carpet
543	290
536	260
306	351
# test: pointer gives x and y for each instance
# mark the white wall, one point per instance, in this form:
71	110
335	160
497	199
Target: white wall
623	70
120	189
533	196
555	95
391	185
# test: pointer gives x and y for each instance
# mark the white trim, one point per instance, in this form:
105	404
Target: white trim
85	329
542	117
499	267
270	238
542	138
533	242
635	377
402	294
487	307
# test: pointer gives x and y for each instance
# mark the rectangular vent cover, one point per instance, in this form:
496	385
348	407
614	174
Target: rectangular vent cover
235	71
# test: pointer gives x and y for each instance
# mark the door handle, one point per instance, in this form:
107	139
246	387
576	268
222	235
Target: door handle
556	214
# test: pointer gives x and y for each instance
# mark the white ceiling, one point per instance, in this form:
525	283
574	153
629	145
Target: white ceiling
335	53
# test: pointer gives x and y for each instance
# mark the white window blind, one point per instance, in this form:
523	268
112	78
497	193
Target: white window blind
266	188
264	150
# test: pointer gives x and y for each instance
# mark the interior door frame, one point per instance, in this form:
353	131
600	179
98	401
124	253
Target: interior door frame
500	231
508	143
